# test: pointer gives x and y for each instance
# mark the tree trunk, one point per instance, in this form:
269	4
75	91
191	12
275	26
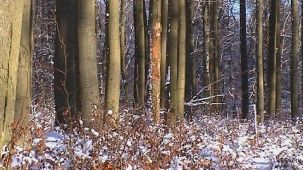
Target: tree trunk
214	51
172	54
10	38
65	60
278	56
156	58
139	53
206	59
302	53
190	64
181	59
24	79
272	62
244	61
88	80
123	56
293	59
164	18
259	56
113	81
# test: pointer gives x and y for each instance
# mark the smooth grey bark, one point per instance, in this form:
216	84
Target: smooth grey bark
10	38
259	57
114	64
172	55
88	76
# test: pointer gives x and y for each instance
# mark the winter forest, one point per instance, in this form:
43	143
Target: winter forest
151	84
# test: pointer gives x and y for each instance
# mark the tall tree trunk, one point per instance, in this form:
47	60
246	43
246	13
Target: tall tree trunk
172	54
214	51
259	56
244	60
302	52
65	60
123	56
139	53
206	55
272	62
181	59
88	80
164	18
24	79
10	38
113	80
190	64
293	59
278	55
156	58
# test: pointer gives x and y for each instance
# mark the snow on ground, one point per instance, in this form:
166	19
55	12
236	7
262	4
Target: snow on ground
207	142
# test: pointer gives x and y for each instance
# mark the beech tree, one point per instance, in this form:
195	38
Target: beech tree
139	20
88	80
24	77
190	60
114	64
24	82
278	56
10	38
206	56
293	58
259	56
172	55
272	62
181	59
214	52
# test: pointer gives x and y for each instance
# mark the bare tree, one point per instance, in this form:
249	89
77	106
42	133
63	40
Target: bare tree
293	58
114	64
259	56
88	80
172	55
10	38
244	60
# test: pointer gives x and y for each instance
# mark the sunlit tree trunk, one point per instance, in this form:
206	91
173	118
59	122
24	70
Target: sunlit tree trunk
88	80
293	59
10	38
172	54
24	79
114	64
181	59
156	58
259	56
65	59
139	53
244	60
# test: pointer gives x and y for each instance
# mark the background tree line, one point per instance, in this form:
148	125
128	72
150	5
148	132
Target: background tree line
93	59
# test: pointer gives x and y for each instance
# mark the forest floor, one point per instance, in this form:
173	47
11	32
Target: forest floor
207	142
